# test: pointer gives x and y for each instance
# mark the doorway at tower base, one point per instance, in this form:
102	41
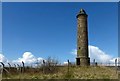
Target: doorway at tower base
83	61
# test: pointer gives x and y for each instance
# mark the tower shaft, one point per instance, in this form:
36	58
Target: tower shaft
82	39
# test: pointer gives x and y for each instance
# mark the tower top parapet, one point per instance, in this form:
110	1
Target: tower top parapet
82	12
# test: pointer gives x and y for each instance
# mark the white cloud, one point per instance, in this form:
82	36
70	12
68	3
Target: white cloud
113	60
97	54
74	52
28	58
65	63
94	53
3	58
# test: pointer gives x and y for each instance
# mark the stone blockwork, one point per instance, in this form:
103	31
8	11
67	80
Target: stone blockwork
82	40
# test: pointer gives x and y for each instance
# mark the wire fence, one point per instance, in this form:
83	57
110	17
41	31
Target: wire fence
49	66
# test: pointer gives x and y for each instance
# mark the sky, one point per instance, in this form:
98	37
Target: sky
59	0
33	31
118	28
0	27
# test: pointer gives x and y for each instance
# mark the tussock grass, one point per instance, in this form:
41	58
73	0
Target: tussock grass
74	72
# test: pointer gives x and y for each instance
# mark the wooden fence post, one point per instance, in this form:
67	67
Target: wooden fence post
1	71
18	67
14	65
9	66
116	65
23	67
2	64
43	66
93	62
68	66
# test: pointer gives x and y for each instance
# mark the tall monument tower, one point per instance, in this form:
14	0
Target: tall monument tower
82	39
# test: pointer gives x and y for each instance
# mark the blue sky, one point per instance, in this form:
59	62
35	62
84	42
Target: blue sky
49	29
0	27
60	0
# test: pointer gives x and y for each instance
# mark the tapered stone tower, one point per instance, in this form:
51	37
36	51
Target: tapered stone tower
82	39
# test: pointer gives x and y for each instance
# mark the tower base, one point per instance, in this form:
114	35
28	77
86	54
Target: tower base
83	61
77	61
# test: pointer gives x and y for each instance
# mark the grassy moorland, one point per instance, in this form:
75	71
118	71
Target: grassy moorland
98	72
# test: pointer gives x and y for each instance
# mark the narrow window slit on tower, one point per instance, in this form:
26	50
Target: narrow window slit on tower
79	47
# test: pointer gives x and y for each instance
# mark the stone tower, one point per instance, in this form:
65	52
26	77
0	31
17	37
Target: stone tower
82	39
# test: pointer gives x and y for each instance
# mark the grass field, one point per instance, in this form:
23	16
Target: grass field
69	73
